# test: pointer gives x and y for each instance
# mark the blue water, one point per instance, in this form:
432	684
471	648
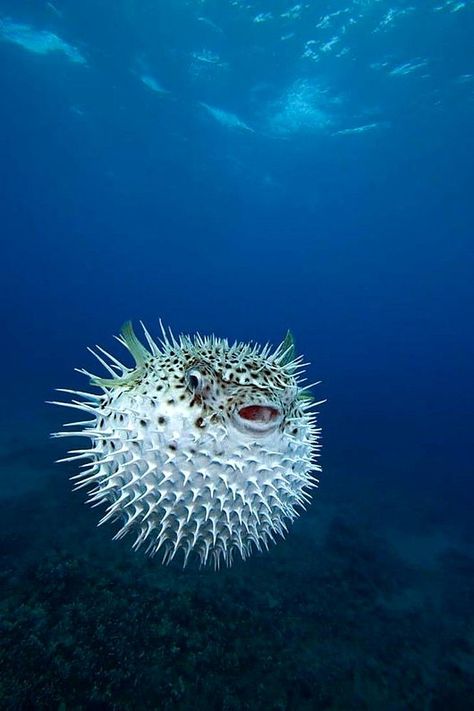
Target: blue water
241	168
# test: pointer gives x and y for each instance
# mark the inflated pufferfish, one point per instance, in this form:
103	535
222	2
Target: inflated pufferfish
202	448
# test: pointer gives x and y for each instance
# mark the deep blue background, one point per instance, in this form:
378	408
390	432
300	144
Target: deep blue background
118	203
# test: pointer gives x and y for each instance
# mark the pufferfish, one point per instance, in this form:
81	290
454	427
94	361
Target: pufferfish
203	449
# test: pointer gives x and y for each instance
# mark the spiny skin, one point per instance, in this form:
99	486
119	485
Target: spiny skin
203	448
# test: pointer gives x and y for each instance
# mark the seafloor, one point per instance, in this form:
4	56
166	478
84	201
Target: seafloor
368	604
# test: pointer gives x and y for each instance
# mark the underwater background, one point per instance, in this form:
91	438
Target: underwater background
242	167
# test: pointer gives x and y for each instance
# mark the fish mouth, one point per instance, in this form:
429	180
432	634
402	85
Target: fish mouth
258	418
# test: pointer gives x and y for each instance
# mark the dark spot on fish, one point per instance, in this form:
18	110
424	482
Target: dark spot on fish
200	422
161	420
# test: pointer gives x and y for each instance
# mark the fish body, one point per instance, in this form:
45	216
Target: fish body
202	449
153	84
227	118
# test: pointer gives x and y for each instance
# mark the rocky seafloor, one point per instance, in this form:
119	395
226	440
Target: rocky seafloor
334	617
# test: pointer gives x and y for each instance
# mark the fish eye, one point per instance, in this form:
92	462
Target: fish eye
196	380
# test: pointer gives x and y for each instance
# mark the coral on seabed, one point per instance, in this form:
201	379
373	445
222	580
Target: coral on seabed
341	623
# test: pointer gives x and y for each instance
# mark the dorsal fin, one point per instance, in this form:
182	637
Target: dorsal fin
136	348
287	349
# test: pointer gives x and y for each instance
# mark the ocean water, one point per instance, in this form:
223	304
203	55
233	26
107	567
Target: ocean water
242	167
